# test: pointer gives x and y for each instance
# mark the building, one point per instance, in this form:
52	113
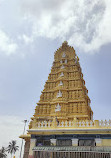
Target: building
63	125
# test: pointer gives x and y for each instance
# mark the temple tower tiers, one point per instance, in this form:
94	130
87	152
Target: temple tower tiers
65	95
63	125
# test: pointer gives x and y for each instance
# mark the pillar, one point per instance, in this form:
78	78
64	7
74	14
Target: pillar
32	145
74	142
53	142
98	141
96	123
26	148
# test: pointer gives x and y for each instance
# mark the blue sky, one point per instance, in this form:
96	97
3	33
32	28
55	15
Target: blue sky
30	32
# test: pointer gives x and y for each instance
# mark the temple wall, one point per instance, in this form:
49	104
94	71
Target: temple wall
103	142
106	142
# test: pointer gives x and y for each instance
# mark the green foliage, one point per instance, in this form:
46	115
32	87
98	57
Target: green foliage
3	153
12	147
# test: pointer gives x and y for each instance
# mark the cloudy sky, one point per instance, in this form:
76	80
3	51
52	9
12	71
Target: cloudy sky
30	33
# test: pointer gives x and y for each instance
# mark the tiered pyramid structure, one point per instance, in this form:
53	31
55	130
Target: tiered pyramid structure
63	124
65	95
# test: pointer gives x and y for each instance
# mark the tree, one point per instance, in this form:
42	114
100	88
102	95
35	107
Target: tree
2	153
12	147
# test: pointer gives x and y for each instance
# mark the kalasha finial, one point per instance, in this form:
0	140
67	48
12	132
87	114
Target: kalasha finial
65	43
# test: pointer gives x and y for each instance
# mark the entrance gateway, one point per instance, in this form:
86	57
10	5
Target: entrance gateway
62	125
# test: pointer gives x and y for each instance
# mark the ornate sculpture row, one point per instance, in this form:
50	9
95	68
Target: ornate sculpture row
73	124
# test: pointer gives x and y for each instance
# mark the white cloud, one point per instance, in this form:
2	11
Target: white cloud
26	38
85	24
11	129
7	45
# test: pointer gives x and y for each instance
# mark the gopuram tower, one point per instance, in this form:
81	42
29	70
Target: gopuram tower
62	125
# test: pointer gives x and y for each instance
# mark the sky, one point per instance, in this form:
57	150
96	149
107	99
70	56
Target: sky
30	32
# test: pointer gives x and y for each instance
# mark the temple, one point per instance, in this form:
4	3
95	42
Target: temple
62	125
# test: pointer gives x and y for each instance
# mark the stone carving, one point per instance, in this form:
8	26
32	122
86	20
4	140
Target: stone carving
49	123
45	123
61	83
83	123
63	55
66	124
76	60
80	124
70	123
59	94
62	67
109	123
39	124
91	123
62	123
61	61
42	124
65	61
62	74
87	123
75	124
105	123
58	108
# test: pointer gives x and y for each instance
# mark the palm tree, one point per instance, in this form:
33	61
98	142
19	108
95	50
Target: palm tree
12	148
2	153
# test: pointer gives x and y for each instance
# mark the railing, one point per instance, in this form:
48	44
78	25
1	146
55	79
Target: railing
72	148
72	124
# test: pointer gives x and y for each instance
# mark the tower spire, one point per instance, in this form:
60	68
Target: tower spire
71	94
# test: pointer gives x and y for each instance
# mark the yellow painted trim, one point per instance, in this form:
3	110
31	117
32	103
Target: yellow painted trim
25	136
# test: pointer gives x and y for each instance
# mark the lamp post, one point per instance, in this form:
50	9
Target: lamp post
25	121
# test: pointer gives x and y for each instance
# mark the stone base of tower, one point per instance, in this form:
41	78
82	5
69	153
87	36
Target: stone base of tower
70	145
70	138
